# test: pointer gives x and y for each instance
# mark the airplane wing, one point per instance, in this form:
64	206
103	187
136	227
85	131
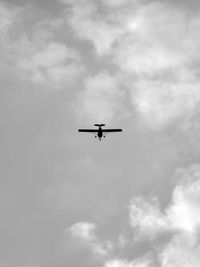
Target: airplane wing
87	131
111	130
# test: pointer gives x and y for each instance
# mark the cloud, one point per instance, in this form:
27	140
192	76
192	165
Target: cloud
52	62
180	252
178	223
155	47
118	3
160	52
101	99
86	232
184	210
160	103
181	218
34	50
150	34
125	263
146	218
89	25
83	230
8	15
182	215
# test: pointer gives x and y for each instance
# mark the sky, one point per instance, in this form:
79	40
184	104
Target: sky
67	199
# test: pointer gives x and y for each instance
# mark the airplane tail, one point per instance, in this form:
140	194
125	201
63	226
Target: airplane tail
99	125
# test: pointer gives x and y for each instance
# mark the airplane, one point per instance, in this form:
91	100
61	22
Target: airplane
99	132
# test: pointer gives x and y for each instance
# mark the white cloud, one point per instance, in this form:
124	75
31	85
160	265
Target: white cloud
181	215
118	3
7	16
101	99
34	51
155	45
146	218
53	55
180	252
89	25
160	52
125	263
83	230
181	218
152	40
159	103
86	232
52	62
184	210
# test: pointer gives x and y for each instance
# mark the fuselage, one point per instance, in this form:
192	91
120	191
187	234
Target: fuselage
100	132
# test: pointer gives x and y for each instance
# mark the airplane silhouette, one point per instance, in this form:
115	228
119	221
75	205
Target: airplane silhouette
99	132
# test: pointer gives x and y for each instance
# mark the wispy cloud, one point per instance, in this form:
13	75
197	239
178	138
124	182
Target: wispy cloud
83	230
146	218
90	25
180	252
86	232
154	45
160	49
34	51
53	62
160	103
179	221
181	215
8	15
101	99
181	218
124	263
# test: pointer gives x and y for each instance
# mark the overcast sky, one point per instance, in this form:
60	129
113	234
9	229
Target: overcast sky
66	199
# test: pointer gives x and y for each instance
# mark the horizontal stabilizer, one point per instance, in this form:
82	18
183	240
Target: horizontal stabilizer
99	125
